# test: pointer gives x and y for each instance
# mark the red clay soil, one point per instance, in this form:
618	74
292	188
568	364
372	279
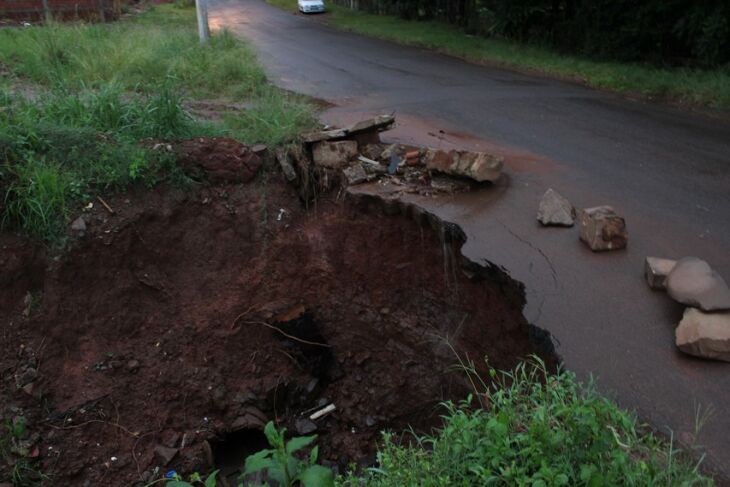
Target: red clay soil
158	327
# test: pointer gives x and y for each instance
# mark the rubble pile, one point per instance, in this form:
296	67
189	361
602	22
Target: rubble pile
355	155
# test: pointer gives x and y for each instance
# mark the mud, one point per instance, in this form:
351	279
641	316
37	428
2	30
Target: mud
191	314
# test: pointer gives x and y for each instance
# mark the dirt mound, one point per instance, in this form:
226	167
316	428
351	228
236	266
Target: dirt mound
218	159
189	315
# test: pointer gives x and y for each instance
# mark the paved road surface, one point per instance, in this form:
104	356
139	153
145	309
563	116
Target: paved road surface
666	171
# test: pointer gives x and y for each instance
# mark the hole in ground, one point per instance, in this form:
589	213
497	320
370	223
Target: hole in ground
184	288
230	452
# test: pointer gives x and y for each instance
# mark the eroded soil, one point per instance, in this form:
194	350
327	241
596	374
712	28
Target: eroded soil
192	313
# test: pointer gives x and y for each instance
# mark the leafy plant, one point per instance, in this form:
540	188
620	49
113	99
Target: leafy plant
282	465
535	428
15	465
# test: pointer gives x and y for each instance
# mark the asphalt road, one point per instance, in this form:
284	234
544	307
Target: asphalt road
667	171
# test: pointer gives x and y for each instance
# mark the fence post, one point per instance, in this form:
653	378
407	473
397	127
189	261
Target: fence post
201	8
47	11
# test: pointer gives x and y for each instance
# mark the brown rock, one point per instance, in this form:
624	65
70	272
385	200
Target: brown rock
334	155
704	335
693	282
656	271
602	229
479	166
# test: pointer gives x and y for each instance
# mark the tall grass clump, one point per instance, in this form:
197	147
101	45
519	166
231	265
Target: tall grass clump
538	429
64	146
135	55
92	93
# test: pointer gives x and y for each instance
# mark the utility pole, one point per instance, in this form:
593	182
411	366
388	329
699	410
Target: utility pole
201	7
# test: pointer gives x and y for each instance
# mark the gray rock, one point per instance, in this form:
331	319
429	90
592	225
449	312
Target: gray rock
656	271
305	426
602	229
286	166
704	334
694	283
79	225
334	155
164	454
555	209
375	124
133	365
324	135
250	418
355	175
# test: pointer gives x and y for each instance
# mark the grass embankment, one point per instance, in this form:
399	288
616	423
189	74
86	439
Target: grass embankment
75	100
532	428
700	87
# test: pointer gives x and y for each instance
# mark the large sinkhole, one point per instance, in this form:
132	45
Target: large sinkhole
231	306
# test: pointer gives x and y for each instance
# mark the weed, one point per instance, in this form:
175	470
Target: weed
282	465
17	466
536	428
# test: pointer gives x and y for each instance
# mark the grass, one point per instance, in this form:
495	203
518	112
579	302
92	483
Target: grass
77	100
703	87
534	429
16	465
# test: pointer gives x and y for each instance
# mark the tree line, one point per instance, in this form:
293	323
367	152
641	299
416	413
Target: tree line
676	32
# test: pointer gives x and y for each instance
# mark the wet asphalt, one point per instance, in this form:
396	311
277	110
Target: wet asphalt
666	170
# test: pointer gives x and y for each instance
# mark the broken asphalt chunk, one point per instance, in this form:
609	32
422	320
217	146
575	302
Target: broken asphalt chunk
324	135
602	229
375	124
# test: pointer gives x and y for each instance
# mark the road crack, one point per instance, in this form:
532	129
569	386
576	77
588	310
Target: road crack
553	272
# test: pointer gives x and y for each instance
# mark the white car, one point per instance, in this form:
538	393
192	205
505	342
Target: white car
311	6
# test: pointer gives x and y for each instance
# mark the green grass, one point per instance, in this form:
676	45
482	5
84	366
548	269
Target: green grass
709	88
79	98
534	429
16	465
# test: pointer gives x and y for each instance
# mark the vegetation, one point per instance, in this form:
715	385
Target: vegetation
532	428
281	464
527	427
16	465
80	98
671	31
687	83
